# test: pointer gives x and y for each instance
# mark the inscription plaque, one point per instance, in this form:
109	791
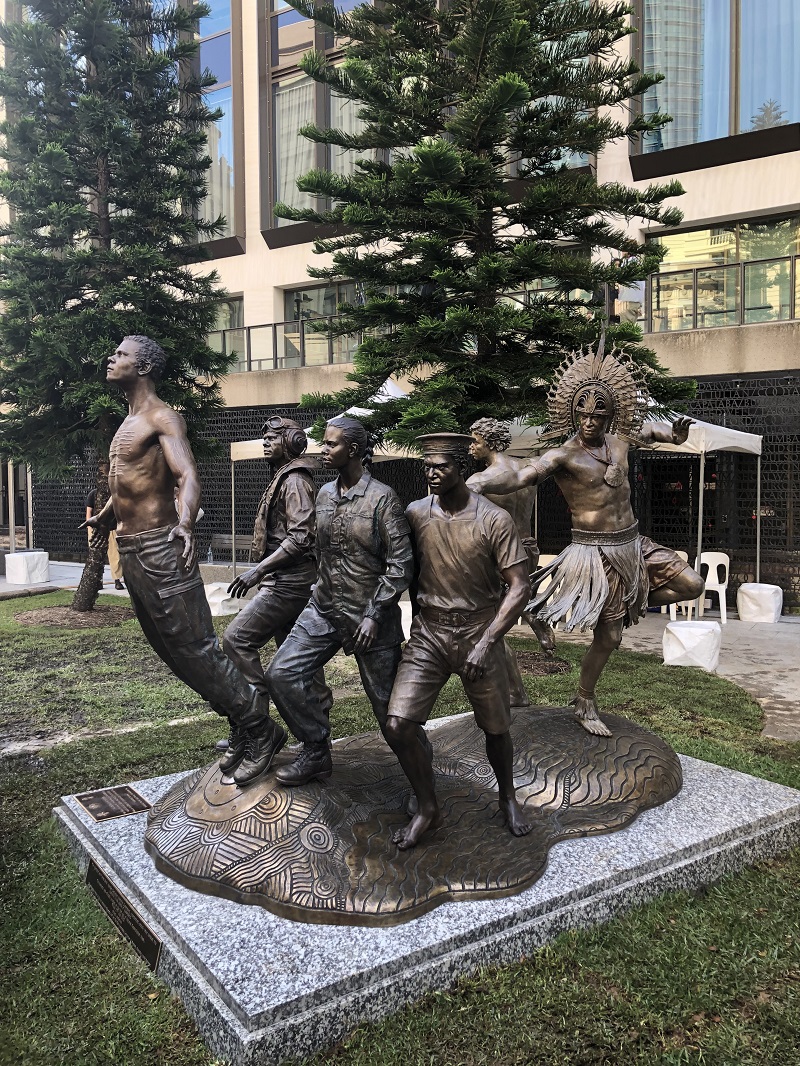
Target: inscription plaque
105	803
123	915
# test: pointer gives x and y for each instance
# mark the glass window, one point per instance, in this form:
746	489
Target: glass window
688	41
768	240
218	20
292	35
344	116
718	297
215	55
294	155
769	79
700	246
220	177
672	298
230	313
767	292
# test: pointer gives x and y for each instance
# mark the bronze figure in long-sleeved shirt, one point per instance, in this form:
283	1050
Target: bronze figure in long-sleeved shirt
364	566
283	548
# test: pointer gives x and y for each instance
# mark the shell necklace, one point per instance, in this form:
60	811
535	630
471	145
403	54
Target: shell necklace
613	475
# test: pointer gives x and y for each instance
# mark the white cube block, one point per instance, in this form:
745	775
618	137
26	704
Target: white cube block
692	644
759	603
27	568
219	601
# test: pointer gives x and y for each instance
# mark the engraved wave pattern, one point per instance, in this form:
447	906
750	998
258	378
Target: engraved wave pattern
324	852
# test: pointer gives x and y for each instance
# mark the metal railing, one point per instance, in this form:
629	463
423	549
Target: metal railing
283	346
756	291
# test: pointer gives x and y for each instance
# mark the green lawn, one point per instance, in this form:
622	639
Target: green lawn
712	977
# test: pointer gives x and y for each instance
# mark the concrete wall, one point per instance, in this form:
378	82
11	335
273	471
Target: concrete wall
260	387
763	348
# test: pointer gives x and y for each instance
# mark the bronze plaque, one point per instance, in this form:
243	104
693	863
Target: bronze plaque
123	915
324	852
106	803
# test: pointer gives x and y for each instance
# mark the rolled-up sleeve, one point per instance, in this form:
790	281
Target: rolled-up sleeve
299	506
394	533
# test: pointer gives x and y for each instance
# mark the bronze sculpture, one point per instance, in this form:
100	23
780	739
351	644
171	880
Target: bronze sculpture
150	455
283	549
364	566
458	628
606	578
490	439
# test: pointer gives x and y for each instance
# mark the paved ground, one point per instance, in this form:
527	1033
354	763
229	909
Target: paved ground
62	576
762	658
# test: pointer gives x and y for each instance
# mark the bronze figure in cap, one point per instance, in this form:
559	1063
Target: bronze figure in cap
283	549
150	456
606	578
466	550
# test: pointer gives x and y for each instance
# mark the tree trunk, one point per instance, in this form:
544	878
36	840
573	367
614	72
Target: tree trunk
92	578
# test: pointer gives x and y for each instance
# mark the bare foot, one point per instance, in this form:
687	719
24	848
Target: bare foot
515	817
406	838
543	632
586	712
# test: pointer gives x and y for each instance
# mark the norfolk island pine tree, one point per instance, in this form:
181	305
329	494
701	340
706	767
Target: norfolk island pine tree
104	146
461	194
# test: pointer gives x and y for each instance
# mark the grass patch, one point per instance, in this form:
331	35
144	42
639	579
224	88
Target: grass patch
712	977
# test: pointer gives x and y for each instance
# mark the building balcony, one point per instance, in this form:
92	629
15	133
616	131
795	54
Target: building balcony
284	346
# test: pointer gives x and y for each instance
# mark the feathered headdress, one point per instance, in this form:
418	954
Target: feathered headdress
587	378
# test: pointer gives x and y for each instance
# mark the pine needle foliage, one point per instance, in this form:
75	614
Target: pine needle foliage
462	193
104	149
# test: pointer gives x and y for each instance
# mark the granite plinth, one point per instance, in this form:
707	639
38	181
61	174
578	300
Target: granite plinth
263	988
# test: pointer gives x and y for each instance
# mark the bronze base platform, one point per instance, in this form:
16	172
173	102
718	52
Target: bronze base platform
323	853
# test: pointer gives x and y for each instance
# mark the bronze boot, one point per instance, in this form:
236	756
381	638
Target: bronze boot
314	761
235	750
263	744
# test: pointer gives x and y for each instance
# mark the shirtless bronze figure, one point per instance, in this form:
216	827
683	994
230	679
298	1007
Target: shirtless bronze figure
150	456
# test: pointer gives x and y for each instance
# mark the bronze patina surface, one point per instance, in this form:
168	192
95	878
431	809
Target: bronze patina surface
323	853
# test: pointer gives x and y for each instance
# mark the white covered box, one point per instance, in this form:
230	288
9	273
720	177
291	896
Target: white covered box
692	644
27	568
759	603
219	601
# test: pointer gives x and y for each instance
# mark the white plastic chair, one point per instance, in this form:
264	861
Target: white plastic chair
714	569
684	605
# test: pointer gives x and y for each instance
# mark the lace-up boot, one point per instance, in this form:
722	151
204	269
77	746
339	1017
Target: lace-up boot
314	761
263	744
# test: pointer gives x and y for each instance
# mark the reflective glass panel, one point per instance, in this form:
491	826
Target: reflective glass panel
288	345
236	344
769	79
294	155
261	348
718	297
220	176
767	294
215	55
698	247
316	347
218	20
292	35
672	296
344	116
230	313
768	240
344	348
688	41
